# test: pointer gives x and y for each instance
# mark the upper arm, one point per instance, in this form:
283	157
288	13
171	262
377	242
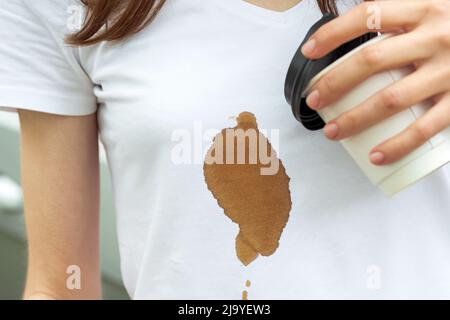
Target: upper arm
41	74
60	179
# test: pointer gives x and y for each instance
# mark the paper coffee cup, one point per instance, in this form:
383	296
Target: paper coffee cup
391	179
395	177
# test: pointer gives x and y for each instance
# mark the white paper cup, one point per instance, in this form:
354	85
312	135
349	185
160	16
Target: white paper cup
395	177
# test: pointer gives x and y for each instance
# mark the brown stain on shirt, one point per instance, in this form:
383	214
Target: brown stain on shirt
245	292
259	204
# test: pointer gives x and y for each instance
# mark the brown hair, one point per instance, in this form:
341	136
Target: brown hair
109	20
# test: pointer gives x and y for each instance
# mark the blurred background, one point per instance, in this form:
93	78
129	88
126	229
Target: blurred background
12	229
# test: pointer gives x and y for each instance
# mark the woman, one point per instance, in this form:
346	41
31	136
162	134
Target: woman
158	94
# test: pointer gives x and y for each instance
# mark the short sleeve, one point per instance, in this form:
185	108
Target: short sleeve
38	71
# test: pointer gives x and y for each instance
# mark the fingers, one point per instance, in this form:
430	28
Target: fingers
368	16
433	122
397	97
372	59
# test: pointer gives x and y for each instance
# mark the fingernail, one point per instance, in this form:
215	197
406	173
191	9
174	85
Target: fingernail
377	157
331	130
313	99
309	47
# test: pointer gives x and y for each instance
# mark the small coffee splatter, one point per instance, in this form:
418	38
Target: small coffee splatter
245	292
260	204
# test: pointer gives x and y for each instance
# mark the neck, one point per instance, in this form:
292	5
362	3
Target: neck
277	5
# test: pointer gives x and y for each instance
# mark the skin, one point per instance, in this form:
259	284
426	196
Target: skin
422	40
60	173
60	179
278	5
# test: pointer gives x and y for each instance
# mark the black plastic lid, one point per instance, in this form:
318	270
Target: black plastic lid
303	70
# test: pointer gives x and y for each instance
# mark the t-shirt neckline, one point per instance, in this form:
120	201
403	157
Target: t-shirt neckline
264	15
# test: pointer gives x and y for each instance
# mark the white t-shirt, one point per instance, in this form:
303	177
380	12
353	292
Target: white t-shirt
161	96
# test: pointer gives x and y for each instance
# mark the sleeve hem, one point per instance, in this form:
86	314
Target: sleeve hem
16	99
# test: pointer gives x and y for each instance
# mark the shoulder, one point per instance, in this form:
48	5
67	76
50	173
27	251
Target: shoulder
60	17
39	70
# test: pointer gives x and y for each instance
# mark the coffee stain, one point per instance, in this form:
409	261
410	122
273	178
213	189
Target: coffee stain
245	292
259	204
